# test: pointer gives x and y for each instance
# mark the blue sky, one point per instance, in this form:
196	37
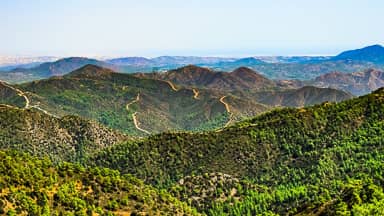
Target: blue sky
194	27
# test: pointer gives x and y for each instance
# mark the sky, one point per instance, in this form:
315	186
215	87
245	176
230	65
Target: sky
194	27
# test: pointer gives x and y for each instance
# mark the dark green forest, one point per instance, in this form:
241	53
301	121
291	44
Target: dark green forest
326	159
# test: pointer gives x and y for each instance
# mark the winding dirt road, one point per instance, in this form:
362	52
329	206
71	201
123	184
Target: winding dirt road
27	101
134	117
136	122
19	92
196	94
225	104
171	85
132	102
227	108
37	106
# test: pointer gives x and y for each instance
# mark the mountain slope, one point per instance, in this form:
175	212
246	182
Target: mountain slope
358	83
137	61
309	125
302	158
48	69
374	53
240	79
249	85
304	96
32	186
68	138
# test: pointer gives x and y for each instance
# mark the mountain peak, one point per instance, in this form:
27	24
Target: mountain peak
249	61
90	70
373	53
192	69
91	67
375	46
246	73
241	70
74	59
130	61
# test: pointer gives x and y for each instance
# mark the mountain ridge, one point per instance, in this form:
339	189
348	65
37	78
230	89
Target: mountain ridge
358	83
373	53
202	77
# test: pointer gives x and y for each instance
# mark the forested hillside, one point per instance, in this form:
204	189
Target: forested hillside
32	186
326	159
68	138
318	158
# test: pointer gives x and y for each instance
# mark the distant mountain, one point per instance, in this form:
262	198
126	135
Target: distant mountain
48	69
357	83
305	96
63	66
306	70
232	65
166	61
248	61
272	67
20	66
240	79
374	53
186	60
15	61
246	83
138	61
292	59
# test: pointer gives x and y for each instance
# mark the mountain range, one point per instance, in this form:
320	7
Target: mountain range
240	79
356	83
279	67
194	99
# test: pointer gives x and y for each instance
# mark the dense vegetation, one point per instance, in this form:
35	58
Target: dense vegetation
320	158
31	186
68	138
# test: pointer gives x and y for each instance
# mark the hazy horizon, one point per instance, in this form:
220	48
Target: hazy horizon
197	28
